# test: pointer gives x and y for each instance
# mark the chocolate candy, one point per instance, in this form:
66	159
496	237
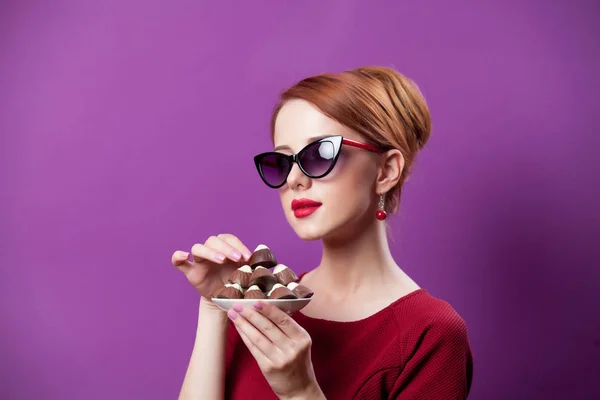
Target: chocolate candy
230	291
241	276
263	278
254	293
284	274
262	256
301	291
255	281
280	292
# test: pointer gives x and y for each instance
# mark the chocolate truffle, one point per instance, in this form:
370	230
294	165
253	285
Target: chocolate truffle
230	291
263	278
280	292
241	276
284	274
300	290
254	293
262	256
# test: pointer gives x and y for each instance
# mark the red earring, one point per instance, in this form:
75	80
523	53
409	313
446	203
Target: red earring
381	214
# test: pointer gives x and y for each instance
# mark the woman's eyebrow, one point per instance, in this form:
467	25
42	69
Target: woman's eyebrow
284	147
310	140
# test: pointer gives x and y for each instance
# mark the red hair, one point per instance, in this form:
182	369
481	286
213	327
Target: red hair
379	103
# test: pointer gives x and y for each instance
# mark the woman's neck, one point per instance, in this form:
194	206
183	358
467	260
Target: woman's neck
358	262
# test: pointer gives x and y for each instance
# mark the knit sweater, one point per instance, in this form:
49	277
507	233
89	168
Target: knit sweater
415	348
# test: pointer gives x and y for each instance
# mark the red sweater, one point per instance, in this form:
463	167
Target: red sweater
416	348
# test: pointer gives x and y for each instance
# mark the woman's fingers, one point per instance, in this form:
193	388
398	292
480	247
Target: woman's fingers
260	357
180	258
258	344
220	248
263	324
281	320
203	252
200	264
237	244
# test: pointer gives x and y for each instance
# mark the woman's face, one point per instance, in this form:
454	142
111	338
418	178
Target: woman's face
347	194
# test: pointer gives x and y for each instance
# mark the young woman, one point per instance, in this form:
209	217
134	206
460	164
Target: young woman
343	146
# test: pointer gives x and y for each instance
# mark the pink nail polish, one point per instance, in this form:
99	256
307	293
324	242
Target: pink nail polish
220	257
258	306
231	314
238	307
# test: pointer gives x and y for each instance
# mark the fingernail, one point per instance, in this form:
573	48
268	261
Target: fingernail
185	255
238	307
231	314
235	255
220	257
247	256
258	306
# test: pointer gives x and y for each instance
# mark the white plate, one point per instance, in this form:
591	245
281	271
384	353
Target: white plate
287	305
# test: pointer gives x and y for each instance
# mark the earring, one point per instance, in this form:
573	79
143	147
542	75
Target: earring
381	214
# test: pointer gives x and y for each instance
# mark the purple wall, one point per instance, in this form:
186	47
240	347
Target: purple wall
127	130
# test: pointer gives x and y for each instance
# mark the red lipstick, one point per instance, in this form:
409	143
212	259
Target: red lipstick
304	207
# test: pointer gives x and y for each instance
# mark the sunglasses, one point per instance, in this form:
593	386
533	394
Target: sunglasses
315	160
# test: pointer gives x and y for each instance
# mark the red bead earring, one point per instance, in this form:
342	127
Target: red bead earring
381	214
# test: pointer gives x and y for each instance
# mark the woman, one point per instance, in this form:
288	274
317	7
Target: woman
344	145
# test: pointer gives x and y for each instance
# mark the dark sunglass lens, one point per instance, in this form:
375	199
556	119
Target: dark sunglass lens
316	158
274	169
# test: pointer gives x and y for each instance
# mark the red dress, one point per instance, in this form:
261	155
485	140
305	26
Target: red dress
416	348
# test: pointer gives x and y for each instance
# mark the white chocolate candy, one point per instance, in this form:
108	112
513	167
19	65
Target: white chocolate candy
280	267
276	286
245	268
237	286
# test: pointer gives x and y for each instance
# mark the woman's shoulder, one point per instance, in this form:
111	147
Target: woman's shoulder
422	314
421	304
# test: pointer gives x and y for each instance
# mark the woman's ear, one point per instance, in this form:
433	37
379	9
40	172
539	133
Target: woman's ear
390	170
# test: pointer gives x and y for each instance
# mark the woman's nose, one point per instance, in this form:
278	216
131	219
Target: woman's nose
296	178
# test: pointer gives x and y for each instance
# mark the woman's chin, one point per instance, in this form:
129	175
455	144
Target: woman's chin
308	236
308	232
318	229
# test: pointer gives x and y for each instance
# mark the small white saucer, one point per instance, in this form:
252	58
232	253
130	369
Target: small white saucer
289	306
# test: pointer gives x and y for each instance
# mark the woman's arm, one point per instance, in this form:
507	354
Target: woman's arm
205	376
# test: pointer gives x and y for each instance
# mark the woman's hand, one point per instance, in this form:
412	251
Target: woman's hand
211	263
281	348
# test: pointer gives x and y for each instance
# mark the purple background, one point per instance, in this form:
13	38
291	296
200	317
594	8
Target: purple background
127	130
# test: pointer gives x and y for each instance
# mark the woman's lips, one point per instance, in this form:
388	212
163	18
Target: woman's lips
305	211
304	207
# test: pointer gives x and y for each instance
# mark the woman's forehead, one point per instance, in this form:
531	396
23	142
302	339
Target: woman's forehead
300	122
